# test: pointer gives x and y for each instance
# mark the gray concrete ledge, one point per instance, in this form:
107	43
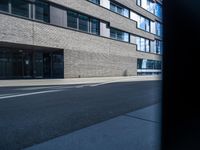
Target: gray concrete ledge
42	82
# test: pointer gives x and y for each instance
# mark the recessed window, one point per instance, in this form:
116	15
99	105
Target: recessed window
119	9
20	7
143	44
119	35
142	22
95	1
83	23
72	19
148	67
95	26
151	6
158	47
4	5
42	11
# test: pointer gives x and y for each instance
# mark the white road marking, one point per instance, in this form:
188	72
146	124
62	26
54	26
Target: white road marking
1	95
101	84
36	88
27	94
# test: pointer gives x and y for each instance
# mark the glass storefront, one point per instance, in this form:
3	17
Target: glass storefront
26	64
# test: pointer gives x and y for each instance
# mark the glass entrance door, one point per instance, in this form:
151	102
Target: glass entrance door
47	65
25	64
27	59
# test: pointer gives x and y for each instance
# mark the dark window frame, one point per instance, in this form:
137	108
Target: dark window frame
40	2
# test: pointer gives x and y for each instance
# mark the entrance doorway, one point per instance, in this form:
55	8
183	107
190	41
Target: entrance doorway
27	64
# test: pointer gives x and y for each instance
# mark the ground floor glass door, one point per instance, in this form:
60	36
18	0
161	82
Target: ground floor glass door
30	64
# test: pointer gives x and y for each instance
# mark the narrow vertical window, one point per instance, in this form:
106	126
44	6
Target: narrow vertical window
95	26
20	7
95	1
42	11
147	44
83	23
139	2
72	19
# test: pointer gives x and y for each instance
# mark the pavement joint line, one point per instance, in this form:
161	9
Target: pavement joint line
141	118
27	94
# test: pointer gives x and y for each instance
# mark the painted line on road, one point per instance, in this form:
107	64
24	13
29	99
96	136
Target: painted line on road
27	94
53	87
99	84
1	95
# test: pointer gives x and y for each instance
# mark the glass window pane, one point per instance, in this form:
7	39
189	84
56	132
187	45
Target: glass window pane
4	5
126	12
95	1
20	7
144	64
119	35
112	7
42	11
158	29
139	2
83	23
147	23
72	19
142	44
138	43
142	23
95	26
126	37
147	46
113	33
139	63
120	10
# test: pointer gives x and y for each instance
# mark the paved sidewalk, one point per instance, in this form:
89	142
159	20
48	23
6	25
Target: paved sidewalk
138	130
42	82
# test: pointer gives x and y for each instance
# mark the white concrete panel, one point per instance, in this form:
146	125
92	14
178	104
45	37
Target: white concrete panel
105	3
104	30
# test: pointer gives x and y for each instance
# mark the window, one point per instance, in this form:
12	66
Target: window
151	6
4	5
142	23
72	19
139	2
158	29
42	11
83	23
95	1
158	10
119	9
20	7
148	67
153	27
158	47
147	44
95	26
119	35
143	44
153	47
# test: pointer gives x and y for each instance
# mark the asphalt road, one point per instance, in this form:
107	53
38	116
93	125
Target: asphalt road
31	115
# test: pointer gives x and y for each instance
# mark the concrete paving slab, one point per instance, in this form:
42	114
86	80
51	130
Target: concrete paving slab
151	113
120	133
